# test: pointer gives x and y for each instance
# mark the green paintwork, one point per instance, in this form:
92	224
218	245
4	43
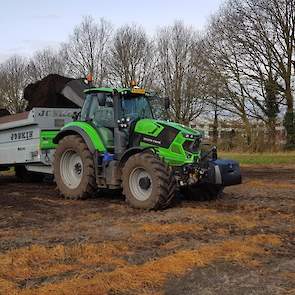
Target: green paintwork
148	127
182	128
175	155
46	138
91	132
107	90
152	127
113	90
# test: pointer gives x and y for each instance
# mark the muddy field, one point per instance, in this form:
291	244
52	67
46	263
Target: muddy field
243	243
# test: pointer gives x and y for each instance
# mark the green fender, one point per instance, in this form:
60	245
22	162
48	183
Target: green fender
86	131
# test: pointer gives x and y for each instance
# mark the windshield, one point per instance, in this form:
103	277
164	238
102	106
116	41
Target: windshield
98	108
137	107
158	108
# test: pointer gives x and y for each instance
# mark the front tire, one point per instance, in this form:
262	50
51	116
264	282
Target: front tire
147	182
74	169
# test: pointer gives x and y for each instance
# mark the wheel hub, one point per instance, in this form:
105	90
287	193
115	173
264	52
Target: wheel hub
140	184
71	169
78	168
145	183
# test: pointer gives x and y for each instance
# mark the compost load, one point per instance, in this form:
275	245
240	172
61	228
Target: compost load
4	112
55	91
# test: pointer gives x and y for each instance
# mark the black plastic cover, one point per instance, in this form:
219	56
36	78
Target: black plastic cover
225	172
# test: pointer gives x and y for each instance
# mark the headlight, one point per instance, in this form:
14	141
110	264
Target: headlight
191	136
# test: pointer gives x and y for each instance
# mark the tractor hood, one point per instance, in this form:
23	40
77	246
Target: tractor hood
182	128
175	142
154	127
163	133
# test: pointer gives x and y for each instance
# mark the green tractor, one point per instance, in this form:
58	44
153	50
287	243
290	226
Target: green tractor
116	142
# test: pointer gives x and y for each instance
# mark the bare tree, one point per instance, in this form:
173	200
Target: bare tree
45	62
85	52
264	33
180	71
245	64
13	79
274	24
131	57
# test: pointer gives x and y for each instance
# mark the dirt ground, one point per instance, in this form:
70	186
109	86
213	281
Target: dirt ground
243	243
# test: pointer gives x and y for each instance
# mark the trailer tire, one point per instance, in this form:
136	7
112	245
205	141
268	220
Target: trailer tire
147	182
202	192
24	175
73	168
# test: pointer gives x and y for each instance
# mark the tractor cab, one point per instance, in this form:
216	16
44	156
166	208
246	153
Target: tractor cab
114	113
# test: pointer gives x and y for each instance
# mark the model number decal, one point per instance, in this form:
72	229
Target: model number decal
25	135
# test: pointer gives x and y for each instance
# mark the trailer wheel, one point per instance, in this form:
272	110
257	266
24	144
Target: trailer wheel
147	182
74	169
202	192
24	175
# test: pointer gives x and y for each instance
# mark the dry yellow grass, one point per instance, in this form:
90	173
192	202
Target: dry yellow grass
289	275
222	232
253	211
152	274
83	260
271	185
171	228
40	261
7	287
175	243
211	216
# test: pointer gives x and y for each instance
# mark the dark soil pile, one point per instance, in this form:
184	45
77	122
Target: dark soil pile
4	112
46	93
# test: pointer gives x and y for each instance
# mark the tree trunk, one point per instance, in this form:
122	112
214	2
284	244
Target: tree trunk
248	130
289	120
215	128
271	134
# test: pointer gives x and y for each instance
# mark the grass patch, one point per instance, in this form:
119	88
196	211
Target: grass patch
154	273
39	261
173	228
9	172
271	185
212	217
260	159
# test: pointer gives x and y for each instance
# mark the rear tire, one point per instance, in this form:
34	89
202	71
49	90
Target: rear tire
202	192
74	169
147	182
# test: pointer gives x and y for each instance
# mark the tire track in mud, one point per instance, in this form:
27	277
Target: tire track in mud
55	244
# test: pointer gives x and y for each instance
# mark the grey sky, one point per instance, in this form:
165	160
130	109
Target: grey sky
28	25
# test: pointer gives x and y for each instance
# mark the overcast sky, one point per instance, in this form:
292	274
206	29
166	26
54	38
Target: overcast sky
28	25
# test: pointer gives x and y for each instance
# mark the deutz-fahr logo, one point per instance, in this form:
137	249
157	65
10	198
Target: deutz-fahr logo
151	140
24	135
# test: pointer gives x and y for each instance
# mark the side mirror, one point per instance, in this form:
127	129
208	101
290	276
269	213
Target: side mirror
167	103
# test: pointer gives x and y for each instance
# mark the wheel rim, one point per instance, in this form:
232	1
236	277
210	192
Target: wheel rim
140	184
71	168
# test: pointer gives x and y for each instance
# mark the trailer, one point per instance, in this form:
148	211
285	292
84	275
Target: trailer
26	138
